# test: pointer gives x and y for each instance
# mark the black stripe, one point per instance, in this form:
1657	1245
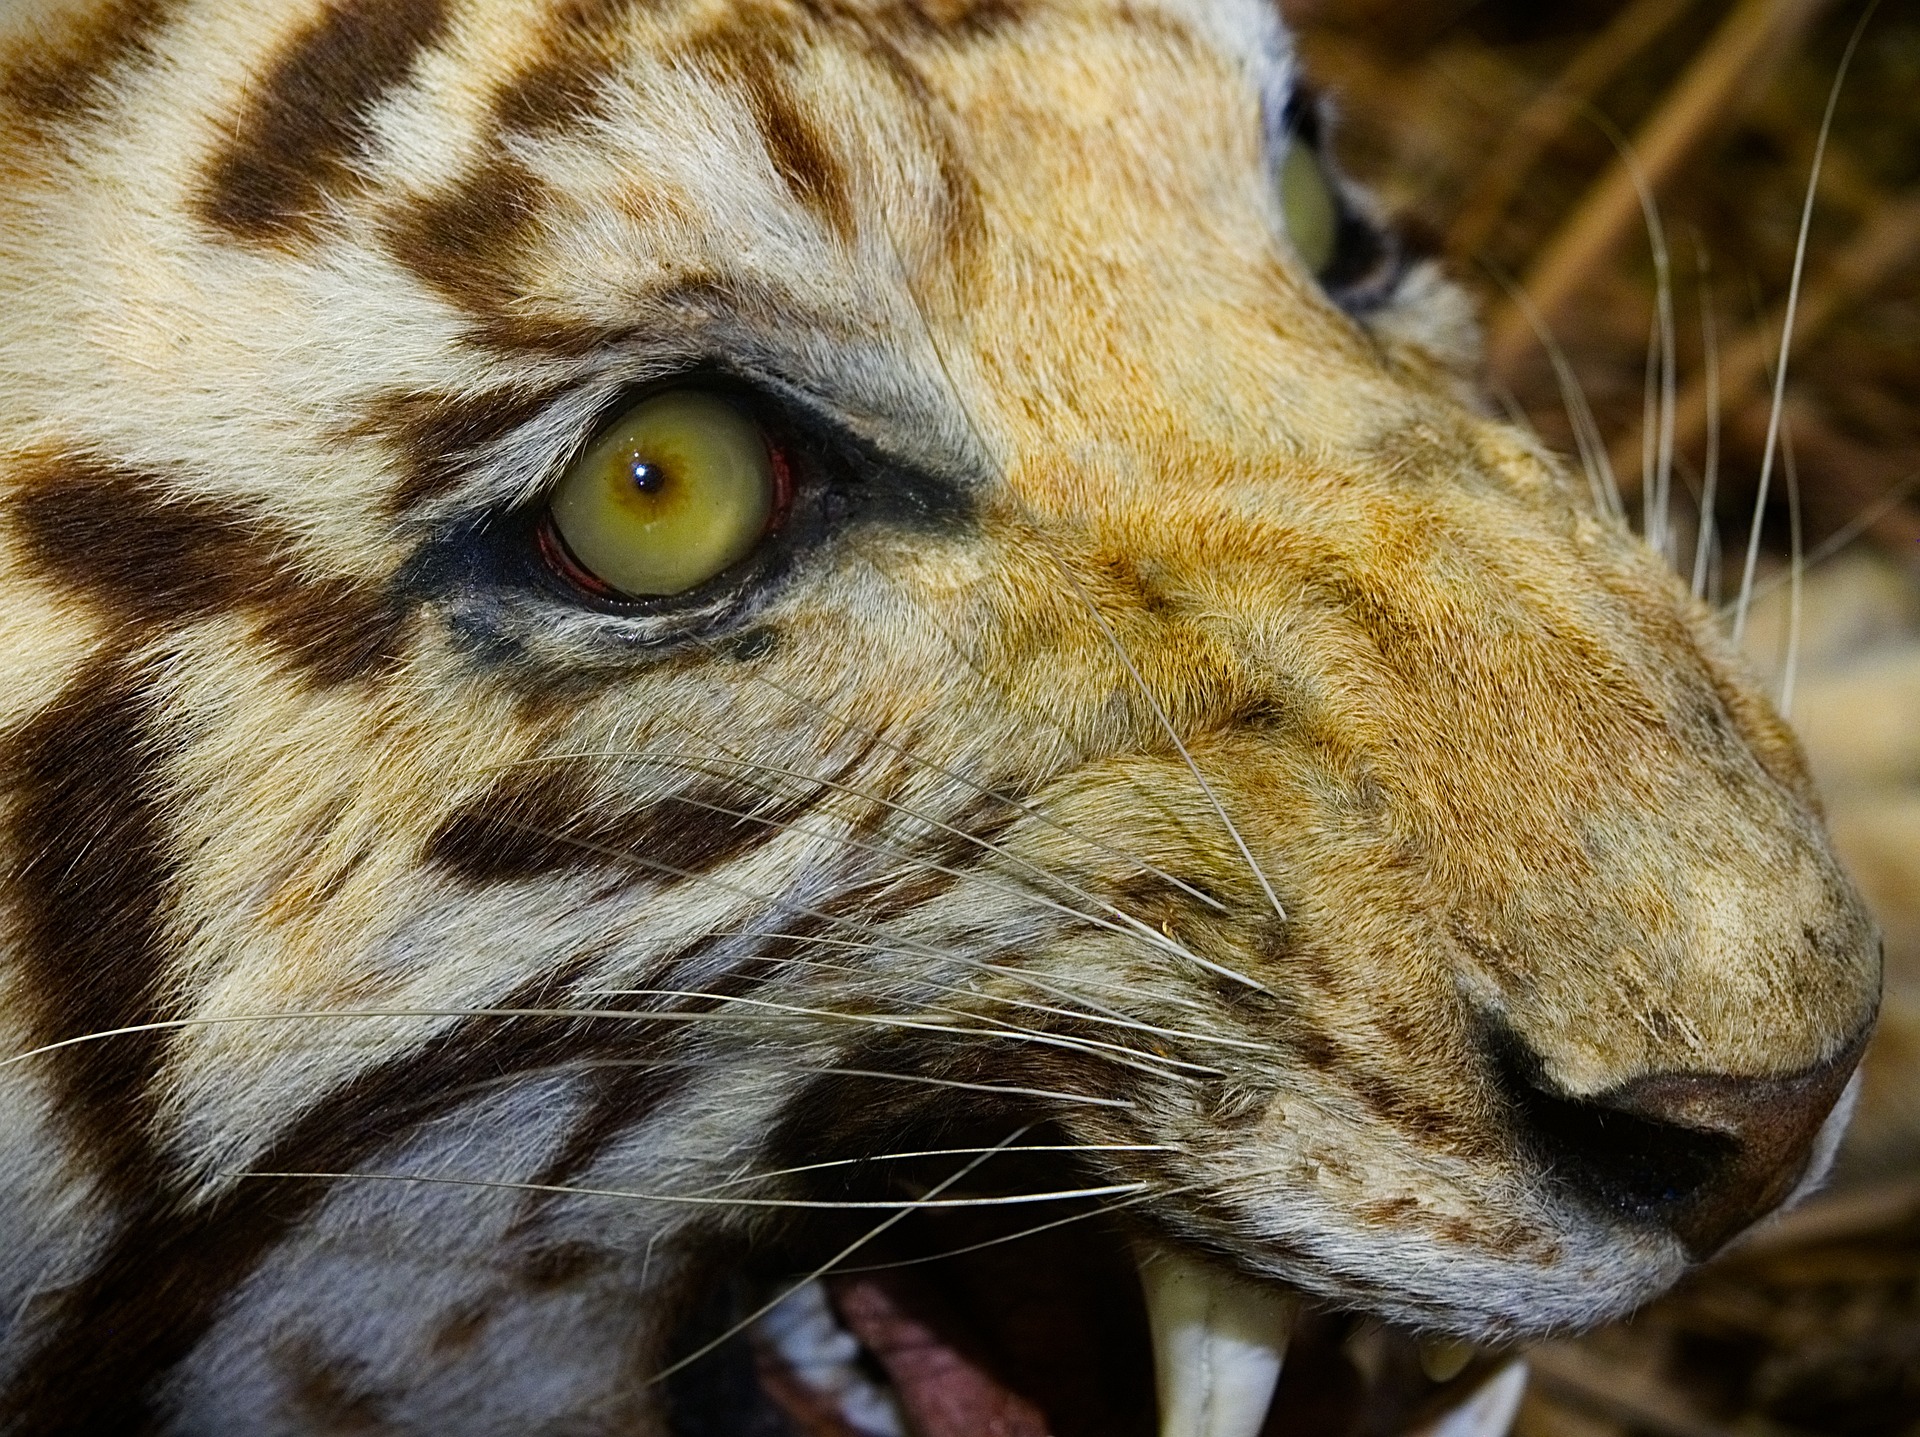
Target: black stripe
154	1295
157	559
470	244
759	61
585	44
93	883
311	118
551	821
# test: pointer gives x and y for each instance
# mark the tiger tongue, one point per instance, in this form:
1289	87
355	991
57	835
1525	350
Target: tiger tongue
1218	1343
943	1389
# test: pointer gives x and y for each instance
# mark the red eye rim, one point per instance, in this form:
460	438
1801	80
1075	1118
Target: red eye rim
560	559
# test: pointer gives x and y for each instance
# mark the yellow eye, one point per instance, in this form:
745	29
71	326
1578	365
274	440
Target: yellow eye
680	489
1309	206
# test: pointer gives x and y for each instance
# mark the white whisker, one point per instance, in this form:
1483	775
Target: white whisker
697	1200
1778	406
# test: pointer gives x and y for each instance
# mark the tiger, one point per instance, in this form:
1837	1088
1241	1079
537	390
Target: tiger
828	717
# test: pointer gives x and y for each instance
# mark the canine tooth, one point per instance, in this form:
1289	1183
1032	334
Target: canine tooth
1489	1412
1442	1360
1217	1346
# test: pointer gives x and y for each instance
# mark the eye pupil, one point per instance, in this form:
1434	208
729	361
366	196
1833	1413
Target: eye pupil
647	478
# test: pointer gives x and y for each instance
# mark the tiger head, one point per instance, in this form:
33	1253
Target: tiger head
654	649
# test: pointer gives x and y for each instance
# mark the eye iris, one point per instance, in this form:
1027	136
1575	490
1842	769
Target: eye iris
678	489
1308	204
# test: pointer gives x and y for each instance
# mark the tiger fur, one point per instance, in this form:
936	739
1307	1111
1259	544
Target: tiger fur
1488	966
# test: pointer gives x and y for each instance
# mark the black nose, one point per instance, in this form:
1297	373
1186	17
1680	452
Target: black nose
1703	1155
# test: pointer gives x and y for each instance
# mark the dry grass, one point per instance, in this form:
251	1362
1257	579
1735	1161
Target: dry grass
1519	139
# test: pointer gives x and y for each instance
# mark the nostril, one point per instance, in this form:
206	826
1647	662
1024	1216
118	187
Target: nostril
1704	1155
1634	1163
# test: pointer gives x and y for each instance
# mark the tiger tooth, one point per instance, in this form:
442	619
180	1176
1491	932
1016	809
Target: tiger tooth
1218	1343
1443	1360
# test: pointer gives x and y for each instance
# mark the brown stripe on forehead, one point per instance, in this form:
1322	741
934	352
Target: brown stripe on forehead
756	54
152	1296
549	821
470	244
311	117
93	882
439	436
585	42
63	80
157	560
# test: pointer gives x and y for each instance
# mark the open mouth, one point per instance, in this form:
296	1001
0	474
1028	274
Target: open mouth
1062	1321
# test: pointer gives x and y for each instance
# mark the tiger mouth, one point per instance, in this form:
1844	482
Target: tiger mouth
967	1323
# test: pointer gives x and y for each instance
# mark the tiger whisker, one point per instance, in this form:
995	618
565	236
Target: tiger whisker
1129	1057
701	1200
892	1220
1104	1209
1777	409
982	789
586	1065
880	1020
1138	928
1058	987
621	855
1116	1020
1166	724
985	845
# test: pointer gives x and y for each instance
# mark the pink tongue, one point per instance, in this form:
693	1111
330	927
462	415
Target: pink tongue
942	1390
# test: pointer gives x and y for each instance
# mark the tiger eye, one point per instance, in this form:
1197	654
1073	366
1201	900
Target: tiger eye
1309	206
679	489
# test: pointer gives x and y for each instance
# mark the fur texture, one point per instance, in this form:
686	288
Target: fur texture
426	868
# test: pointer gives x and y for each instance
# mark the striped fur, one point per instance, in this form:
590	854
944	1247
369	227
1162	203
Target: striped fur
424	870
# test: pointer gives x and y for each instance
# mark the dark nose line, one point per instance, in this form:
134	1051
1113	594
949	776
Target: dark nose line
1768	1127
1704	1155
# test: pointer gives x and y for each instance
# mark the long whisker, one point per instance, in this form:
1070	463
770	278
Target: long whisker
1134	1058
1166	725
1778	407
1105	1209
1113	1020
939	1153
698	1200
1710	479
1127	1057
984	790
1656	461
1595	462
1058	988
588	1065
1795	572
1134	927
1846	534
848	1251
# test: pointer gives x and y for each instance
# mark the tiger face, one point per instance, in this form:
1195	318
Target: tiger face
656	651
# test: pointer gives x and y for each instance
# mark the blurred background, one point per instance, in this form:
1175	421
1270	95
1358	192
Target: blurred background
1623	185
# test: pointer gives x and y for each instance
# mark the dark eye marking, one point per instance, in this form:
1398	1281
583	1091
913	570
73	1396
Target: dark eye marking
156	559
550	822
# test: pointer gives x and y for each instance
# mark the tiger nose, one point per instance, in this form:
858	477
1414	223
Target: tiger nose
1703	1155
